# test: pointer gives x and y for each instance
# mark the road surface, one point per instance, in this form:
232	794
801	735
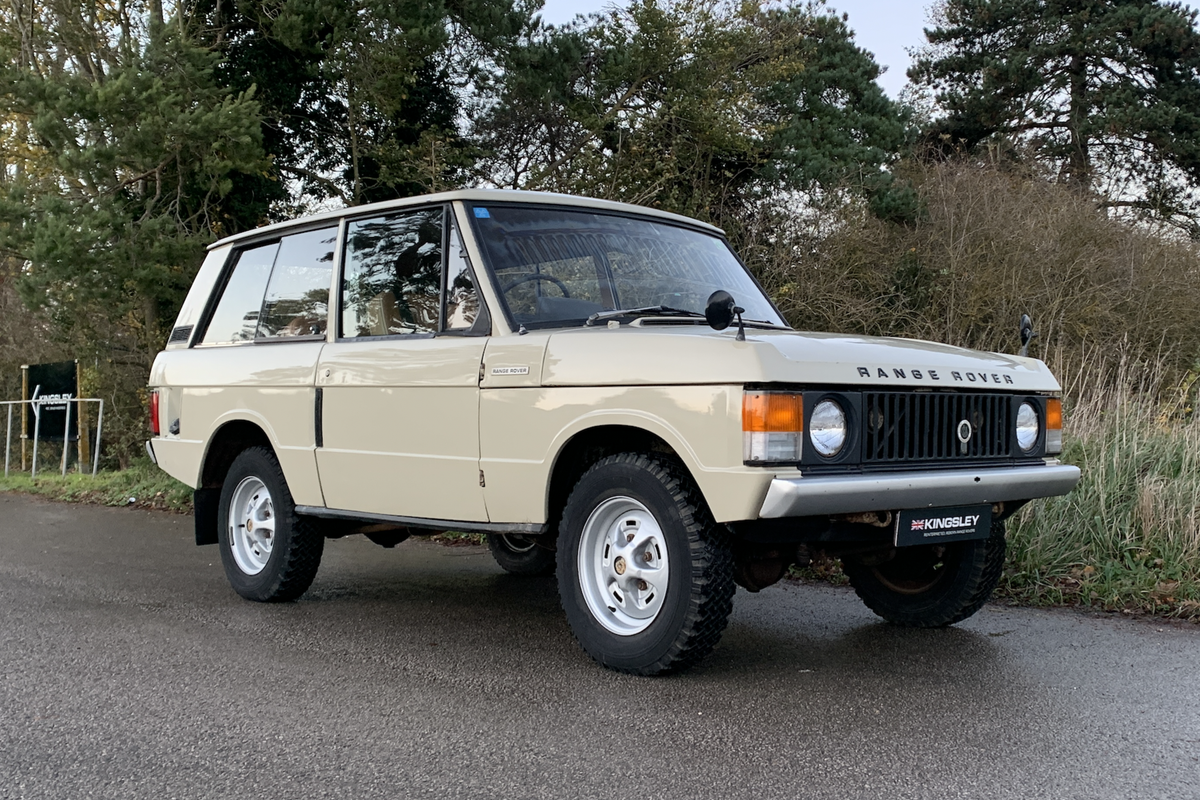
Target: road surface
130	669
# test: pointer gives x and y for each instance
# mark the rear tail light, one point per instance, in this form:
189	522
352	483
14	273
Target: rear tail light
772	426
1054	437
154	429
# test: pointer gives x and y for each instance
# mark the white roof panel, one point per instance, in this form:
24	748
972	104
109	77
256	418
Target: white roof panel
471	195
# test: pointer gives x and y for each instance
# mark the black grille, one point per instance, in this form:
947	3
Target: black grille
923	426
180	334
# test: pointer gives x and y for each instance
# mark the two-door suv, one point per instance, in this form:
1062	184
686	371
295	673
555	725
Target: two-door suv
608	394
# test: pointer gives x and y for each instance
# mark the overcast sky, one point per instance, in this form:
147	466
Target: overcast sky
887	28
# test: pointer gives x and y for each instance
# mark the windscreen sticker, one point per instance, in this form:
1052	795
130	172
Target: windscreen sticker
482	213
510	370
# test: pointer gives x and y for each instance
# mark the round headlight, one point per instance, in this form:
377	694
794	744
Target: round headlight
827	428
1027	427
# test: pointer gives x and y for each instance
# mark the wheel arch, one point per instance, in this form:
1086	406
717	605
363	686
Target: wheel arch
227	441
585	447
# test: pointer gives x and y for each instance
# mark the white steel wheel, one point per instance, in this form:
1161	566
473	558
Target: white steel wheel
270	554
624	568
646	575
251	525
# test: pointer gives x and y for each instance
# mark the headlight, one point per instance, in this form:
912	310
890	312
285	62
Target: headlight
1027	427
827	428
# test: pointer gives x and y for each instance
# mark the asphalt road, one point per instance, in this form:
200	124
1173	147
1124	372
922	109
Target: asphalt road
128	668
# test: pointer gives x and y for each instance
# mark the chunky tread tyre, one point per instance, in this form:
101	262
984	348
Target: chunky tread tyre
971	571
298	545
520	555
697	604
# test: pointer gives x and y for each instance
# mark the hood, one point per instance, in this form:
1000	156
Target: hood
656	353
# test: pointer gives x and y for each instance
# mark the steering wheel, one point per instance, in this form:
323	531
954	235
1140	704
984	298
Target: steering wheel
537	276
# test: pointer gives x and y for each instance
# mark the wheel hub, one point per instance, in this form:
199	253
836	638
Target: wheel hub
251	525
624	570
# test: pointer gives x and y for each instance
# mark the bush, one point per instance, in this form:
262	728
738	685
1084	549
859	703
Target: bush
993	243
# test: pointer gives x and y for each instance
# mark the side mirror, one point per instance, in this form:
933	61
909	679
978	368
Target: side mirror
721	310
1027	334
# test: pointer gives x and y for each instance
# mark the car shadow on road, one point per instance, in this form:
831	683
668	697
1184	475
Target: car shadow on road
463	601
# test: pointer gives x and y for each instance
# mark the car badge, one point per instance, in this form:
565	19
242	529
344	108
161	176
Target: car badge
964	435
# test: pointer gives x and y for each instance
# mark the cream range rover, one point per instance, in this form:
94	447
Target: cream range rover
605	392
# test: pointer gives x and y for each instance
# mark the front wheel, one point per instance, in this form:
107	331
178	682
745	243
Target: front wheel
930	586
269	553
644	574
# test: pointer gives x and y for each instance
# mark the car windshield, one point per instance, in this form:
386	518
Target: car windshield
558	266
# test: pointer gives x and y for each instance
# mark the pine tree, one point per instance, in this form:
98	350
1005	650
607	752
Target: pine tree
123	151
1106	93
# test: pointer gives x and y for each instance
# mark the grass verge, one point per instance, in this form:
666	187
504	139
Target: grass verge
143	485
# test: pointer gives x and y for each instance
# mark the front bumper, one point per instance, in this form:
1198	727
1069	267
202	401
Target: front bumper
849	494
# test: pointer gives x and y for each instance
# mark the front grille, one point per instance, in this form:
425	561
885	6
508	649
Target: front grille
906	427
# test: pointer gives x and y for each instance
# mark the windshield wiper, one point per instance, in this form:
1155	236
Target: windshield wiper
645	311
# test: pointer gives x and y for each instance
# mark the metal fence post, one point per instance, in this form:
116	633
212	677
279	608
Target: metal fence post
38	405
99	427
37	424
66	439
8	440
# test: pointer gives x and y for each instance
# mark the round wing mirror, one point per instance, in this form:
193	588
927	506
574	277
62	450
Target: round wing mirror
719	311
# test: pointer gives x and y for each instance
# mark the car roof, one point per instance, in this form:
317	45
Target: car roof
484	195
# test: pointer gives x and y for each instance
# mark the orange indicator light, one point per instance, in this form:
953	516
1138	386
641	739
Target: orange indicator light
772	412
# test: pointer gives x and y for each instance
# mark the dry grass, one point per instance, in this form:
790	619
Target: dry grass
1128	537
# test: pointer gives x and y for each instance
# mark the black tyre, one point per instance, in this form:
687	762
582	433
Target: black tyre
644	574
269	553
521	555
931	586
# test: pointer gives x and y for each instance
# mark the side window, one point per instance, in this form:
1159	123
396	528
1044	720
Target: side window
297	299
236	316
392	283
462	293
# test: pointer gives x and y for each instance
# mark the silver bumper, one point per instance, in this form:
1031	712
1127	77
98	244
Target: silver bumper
848	494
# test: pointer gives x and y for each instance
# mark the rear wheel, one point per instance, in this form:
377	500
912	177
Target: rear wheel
644	574
521	555
269	553
930	586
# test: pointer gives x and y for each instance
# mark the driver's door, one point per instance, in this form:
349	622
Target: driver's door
400	385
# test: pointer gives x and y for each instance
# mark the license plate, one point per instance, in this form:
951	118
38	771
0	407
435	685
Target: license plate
937	525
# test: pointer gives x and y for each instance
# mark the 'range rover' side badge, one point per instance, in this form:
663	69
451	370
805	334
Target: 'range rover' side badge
510	370
964	435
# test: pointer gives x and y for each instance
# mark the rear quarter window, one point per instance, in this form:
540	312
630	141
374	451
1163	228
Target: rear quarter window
297	298
236	316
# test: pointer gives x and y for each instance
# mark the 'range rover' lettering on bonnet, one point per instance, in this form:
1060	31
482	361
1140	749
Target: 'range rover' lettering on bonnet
898	373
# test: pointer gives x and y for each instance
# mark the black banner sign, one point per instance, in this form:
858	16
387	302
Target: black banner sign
52	382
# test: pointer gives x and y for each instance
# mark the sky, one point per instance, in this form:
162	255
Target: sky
887	28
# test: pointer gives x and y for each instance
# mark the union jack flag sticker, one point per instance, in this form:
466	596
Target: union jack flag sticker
918	525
